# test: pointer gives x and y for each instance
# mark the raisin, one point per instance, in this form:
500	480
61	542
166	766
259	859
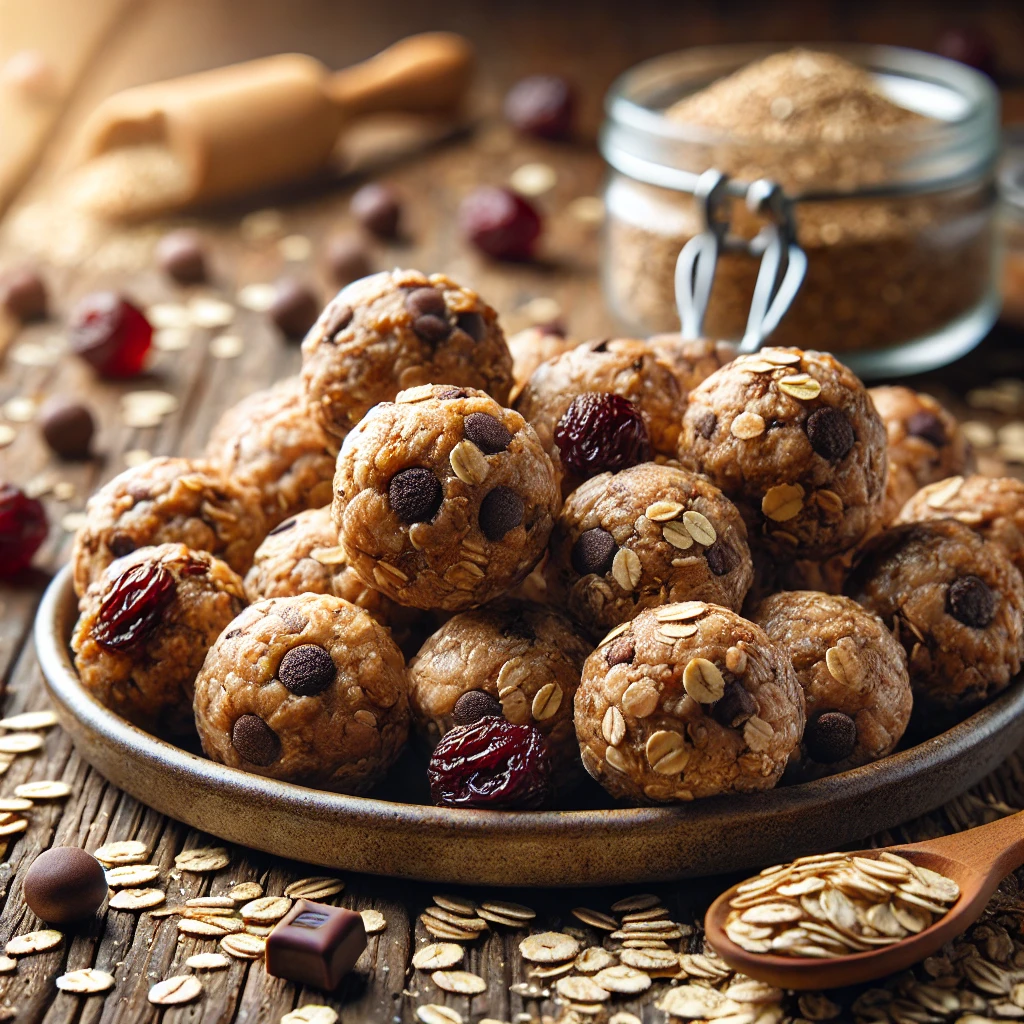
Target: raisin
734	707
23	528
492	764
831	737
181	255
718	559
928	427
474	705
972	601
134	606
541	105
487	433
704	423
500	223
378	208
295	308
602	432
830	433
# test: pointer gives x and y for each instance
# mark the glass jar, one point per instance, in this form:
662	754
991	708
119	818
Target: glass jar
1011	183
899	229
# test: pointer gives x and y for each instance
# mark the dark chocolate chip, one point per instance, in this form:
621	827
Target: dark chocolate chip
620	651
306	670
415	494
600	346
339	316
23	295
378	208
295	308
67	427
65	884
473	324
432	328
121	544
450	393
486	432
518	628
704	423
830	433
500	511
181	255
593	552
735	706
718	558
972	601
928	426
473	706
831	737
426	301
347	258
255	741
282	527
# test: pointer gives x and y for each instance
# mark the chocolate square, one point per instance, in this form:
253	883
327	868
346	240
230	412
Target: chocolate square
315	944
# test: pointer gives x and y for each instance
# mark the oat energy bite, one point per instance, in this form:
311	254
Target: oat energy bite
515	660
145	627
168	500
306	689
853	674
954	601
692	360
271	441
992	506
623	367
793	438
531	347
647	536
398	330
443	499
926	443
686	701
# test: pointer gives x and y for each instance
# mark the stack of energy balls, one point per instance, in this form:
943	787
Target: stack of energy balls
773	562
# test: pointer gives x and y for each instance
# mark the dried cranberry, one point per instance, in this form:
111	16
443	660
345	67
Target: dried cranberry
378	208
927	426
23	528
134	605
500	223
492	764
110	334
541	105
602	432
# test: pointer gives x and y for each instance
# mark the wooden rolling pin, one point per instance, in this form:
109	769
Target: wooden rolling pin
247	127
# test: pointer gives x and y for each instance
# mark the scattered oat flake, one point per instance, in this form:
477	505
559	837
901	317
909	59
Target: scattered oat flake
295	248
7	434
29	720
214	902
210	312
172	339
136	457
7	964
8	803
581	990
72	522
595	919
202	859
128	876
623	979
311	1013
587	209
516	910
624	1017
533	179
316	888
182	988
207	961
86	981
262	225
125	851
244	946
20	742
246	891
137	899
266	909
373	921
542	310
34	942
64	490
437	956
549	947
168	315
12	828
456	904
20	409
431	1013
50	790
146	408
461	982
257	297
227	346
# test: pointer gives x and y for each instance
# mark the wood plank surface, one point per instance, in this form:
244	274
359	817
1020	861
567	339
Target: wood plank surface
591	42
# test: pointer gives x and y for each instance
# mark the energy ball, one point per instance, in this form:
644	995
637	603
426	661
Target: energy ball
992	506
65	884
397	330
145	627
955	602
647	536
853	673
531	347
686	701
793	438
443	499
623	367
302	556
926	443
164	501
510	659
271	441
307	689
692	360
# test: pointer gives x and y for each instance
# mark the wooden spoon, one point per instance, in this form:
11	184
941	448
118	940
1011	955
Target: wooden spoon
977	860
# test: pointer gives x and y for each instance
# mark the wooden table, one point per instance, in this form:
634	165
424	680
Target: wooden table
146	39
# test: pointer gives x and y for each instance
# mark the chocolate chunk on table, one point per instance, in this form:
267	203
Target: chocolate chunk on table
316	944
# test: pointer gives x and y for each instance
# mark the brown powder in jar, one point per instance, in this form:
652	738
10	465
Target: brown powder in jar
880	271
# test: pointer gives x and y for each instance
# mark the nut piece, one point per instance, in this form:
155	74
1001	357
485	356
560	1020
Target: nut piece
703	681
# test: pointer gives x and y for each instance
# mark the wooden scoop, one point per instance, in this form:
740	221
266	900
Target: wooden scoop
251	126
977	860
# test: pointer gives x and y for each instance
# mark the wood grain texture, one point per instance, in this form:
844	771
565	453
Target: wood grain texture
592	42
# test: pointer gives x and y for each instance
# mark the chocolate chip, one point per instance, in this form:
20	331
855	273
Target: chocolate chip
620	652
718	558
928	426
282	527
121	544
594	552
518	628
971	601
67	427
474	705
500	511
473	324
486	432
541	105
347	258
65	884
426	302
255	741
339	316
378	208
704	423
451	393
830	433
830	737
23	295
415	495
735	706
306	670
432	328
295	308
181	255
